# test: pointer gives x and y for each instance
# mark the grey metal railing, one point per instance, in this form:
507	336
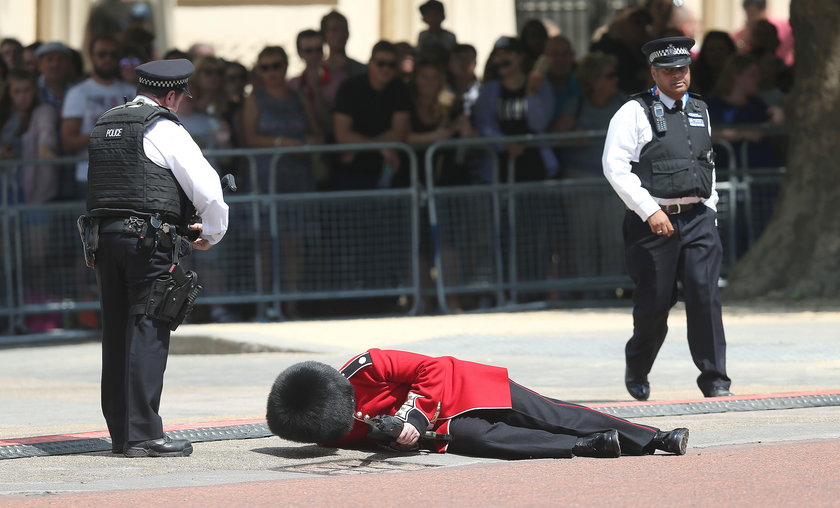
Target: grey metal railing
504	239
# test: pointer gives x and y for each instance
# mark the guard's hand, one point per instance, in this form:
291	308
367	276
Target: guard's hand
408	437
200	243
660	224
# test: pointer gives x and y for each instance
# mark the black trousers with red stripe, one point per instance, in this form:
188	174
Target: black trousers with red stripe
539	427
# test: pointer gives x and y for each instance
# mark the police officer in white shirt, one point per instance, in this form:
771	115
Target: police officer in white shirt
658	157
147	181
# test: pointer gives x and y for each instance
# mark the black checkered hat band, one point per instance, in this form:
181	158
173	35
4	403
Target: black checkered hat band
163	84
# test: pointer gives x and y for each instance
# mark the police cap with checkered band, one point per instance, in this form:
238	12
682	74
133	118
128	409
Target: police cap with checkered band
166	74
669	52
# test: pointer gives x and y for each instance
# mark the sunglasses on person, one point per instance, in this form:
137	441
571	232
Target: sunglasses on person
132	61
233	78
212	72
106	54
276	66
312	50
391	64
504	63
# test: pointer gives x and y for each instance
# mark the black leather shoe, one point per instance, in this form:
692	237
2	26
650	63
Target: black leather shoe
674	442
601	445
717	391
637	386
163	447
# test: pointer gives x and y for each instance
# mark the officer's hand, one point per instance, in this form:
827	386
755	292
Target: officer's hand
660	224
408	437
200	243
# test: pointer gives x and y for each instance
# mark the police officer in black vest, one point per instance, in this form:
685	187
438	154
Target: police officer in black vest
147	181
658	157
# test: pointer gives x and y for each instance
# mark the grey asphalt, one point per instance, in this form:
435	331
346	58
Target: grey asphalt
223	373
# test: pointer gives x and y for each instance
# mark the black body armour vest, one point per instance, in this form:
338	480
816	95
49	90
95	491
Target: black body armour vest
122	180
677	163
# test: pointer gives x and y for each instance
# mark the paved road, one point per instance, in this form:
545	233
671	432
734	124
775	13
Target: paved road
573	355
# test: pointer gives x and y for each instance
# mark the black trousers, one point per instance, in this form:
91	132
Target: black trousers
134	346
692	255
539	427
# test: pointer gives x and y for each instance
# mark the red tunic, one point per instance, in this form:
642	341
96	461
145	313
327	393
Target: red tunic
423	390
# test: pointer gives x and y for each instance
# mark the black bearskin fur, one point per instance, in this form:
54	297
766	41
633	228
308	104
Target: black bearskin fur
310	402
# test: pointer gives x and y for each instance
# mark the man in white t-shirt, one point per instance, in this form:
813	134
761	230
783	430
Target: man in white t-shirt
86	102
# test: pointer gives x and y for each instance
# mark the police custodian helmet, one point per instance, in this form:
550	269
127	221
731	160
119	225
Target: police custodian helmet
669	52
166	75
310	402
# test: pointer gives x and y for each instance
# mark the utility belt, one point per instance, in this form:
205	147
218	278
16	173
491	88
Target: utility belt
172	295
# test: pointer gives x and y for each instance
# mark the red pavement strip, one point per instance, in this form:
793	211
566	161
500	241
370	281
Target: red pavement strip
229	423
104	433
797	474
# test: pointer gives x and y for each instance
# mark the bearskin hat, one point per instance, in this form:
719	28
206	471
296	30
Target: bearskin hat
310	402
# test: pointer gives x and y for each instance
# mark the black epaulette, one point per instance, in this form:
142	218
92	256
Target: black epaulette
357	364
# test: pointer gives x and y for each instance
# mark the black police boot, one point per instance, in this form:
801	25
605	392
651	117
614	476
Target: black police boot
674	442
163	447
601	445
637	386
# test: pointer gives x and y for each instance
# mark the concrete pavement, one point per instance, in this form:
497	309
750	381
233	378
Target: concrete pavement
572	355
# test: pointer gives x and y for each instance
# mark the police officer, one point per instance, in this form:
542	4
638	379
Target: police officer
147	180
658	157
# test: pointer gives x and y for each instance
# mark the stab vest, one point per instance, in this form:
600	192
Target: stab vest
122	180
672	164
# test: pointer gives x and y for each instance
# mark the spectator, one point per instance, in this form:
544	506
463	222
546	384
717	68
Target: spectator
756	10
406	56
506	108
717	47
86	101
276	116
433	119
203	115
591	112
557	66
735	101
317	84
623	39
533	36
661	13
11	50
207	86
200	49
130	58
776	77
237	80
140	39
462	81
4	71
434	42
175	54
594	232
371	108
29	60
436	116
27	131
335	30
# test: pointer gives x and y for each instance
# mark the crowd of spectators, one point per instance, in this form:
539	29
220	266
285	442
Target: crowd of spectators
418	93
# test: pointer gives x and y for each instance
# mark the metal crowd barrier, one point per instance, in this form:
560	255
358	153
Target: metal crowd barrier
503	242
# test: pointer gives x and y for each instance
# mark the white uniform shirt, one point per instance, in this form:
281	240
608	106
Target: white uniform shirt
629	132
169	145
